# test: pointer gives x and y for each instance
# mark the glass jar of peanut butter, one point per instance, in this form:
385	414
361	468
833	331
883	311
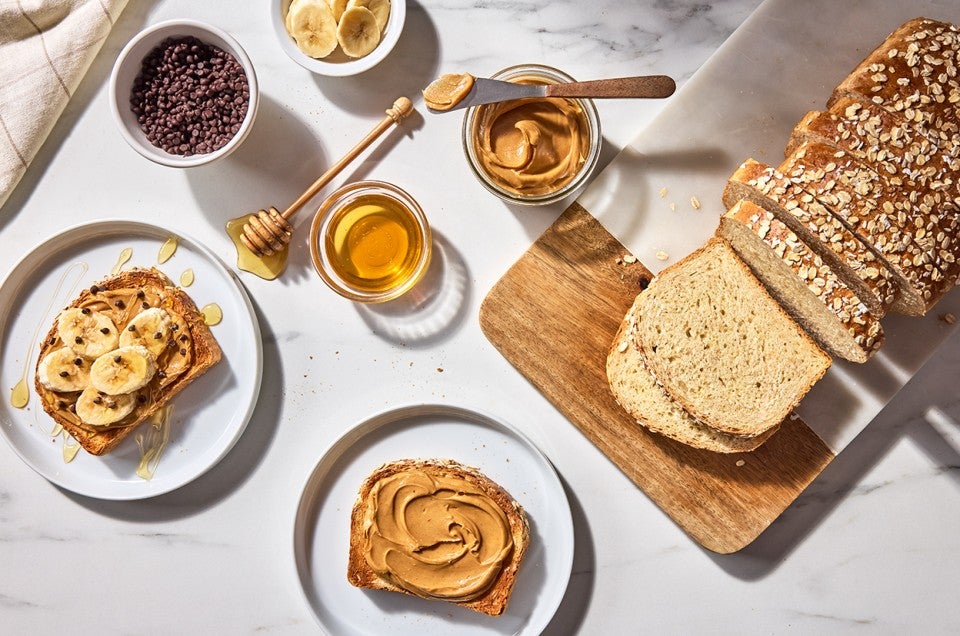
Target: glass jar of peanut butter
533	151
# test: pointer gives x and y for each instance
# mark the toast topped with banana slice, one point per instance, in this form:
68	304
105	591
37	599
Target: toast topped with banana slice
120	352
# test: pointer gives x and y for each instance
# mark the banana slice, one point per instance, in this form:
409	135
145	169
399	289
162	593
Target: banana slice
63	371
337	7
87	331
312	25
358	32
123	370
151	328
100	410
379	8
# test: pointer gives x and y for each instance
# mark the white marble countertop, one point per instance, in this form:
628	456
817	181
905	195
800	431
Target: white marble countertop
870	546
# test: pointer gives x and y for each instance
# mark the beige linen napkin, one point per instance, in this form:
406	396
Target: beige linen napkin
45	48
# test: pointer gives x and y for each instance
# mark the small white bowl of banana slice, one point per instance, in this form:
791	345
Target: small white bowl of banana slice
338	37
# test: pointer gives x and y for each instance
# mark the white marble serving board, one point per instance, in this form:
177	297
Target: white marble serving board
743	102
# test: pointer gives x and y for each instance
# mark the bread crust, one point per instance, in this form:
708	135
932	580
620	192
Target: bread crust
494	601
205	353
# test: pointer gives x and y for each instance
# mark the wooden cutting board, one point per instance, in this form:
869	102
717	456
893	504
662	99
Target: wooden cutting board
553	315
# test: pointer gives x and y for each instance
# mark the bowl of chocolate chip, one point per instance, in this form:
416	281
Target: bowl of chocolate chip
183	93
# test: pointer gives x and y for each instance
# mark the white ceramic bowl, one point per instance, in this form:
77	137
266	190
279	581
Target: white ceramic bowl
127	67
337	64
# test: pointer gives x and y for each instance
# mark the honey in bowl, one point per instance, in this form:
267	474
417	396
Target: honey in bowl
370	241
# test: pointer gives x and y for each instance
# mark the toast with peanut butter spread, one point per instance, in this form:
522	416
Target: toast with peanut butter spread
462	538
118	353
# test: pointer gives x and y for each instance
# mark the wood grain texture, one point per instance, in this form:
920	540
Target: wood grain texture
553	316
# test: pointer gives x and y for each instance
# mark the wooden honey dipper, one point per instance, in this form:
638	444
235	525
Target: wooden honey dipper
269	231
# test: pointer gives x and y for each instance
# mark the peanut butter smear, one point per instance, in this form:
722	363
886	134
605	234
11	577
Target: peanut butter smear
532	146
438	537
446	91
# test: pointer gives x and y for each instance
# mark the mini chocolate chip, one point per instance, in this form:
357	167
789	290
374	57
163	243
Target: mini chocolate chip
53	340
144	305
116	359
61	404
73	408
183	352
183	337
105	330
98	400
64	374
157	336
161	374
78	361
644	282
119	304
78	340
141	295
131	328
141	398
94	289
171	344
111	405
85	311
175	327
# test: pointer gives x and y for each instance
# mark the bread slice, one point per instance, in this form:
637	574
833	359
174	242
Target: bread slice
913	73
804	285
122	297
721	346
910	231
832	241
901	154
636	390
360	573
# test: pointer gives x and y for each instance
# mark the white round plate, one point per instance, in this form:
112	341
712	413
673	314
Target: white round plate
208	416
322	526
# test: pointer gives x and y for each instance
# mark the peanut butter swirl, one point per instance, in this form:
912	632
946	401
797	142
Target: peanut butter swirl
436	536
532	146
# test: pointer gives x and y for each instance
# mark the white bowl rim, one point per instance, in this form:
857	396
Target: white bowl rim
393	30
140	143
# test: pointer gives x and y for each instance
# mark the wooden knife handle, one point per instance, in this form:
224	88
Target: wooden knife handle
643	86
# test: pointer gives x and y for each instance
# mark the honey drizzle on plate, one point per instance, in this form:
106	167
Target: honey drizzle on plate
20	393
186	278
266	267
153	442
167	249
125	255
212	314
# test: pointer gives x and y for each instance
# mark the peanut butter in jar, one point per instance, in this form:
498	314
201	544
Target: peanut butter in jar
533	151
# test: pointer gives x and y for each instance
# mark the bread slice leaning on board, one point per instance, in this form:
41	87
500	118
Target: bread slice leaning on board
861	219
721	346
637	391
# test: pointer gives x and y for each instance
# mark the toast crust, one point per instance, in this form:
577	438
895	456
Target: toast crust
494	600
159	291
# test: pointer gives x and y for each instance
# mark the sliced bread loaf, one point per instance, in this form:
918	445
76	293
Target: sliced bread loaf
913	73
637	391
901	154
721	346
803	284
909	231
846	255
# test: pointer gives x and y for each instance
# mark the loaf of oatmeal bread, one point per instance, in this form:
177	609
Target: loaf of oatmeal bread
913	73
721	346
805	286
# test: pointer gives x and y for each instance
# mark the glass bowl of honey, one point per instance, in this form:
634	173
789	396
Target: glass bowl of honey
370	241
